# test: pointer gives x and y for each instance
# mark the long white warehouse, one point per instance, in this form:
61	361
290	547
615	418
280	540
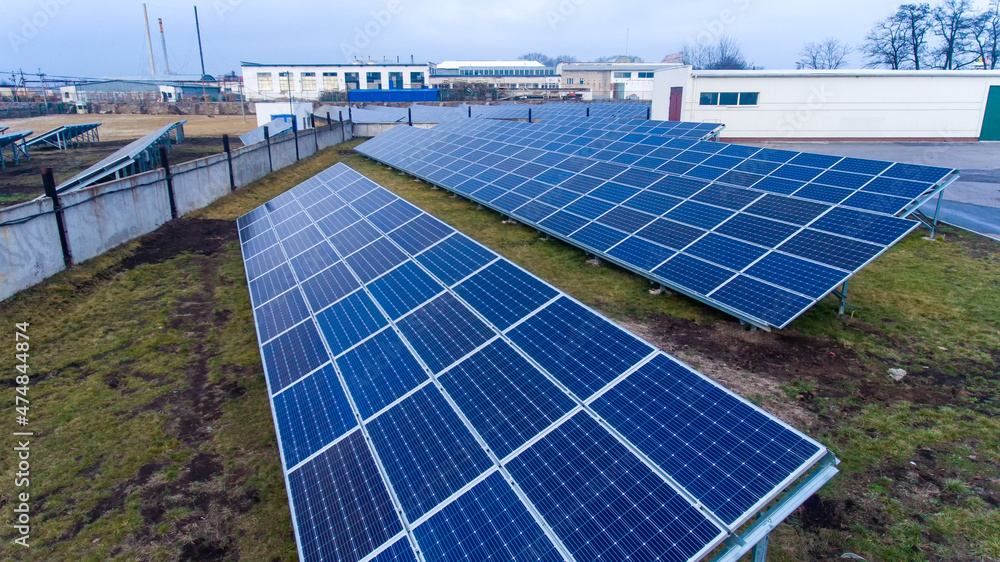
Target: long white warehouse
902	105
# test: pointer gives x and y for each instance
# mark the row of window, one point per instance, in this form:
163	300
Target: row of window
728	98
629	74
509	72
286	80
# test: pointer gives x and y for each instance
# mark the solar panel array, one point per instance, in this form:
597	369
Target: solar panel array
754	252
550	112
65	136
430	396
275	128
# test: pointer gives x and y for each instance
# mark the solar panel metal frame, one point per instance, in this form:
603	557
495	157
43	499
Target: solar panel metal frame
61	135
820	467
125	157
741	315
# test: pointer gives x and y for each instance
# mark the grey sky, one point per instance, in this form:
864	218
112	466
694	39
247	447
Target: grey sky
89	38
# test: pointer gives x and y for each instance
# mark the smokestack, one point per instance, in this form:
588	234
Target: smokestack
149	40
163	40
201	55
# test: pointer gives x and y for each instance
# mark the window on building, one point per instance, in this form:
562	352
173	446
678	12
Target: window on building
265	82
373	79
417	78
330	81
645	75
352	80
396	80
285	81
623	75
309	81
729	98
569	81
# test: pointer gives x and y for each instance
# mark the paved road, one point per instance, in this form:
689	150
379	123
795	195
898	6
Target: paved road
972	202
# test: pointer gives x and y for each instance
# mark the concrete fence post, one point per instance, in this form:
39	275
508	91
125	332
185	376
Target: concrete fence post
50	191
165	162
409	116
329	122
295	133
529	115
588	112
229	159
648	112
267	139
343	135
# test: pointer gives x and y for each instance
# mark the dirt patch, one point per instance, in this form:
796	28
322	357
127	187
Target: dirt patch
727	352
205	237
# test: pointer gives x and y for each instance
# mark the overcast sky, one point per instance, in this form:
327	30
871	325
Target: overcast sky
107	38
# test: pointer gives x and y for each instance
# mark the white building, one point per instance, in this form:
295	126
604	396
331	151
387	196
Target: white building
516	74
925	105
612	80
268	111
307	81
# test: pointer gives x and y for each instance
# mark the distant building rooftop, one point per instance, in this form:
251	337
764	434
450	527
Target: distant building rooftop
449	64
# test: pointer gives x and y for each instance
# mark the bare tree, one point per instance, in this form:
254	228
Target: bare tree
984	37
562	58
916	20
886	45
952	21
538	57
830	54
726	55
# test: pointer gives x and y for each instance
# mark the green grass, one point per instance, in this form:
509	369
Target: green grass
113	348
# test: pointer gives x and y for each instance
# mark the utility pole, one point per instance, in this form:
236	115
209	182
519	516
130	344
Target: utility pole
149	40
201	54
41	75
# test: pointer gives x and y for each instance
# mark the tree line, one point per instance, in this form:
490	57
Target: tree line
952	35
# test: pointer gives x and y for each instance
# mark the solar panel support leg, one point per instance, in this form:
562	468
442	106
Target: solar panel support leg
842	295
165	162
937	210
760	549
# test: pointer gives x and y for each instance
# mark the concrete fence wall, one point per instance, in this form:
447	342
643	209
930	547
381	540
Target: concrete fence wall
103	216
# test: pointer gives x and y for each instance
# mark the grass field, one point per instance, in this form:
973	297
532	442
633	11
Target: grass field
154	438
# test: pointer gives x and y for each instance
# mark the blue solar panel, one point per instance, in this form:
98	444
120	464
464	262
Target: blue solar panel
341	480
504	294
379	371
507	400
577	346
760	299
693	274
427	452
806	277
350	320
443	330
483	455
488	522
576	472
311	414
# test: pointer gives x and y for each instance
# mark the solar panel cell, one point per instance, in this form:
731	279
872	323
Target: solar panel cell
379	371
292	355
